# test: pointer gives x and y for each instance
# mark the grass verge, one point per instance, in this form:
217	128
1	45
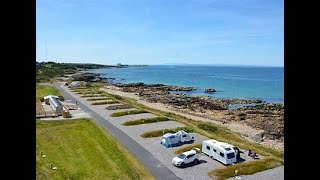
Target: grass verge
82	149
125	113
158	133
104	102
98	99
146	121
42	90
188	148
119	106
93	95
244	168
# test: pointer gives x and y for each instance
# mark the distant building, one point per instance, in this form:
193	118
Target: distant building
119	64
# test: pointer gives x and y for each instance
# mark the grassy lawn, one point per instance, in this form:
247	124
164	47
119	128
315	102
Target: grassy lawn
81	149
42	90
158	133
145	121
124	113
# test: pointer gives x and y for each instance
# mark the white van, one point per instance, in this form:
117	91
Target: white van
220	151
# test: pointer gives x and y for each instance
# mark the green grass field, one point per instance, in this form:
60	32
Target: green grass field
81	149
125	113
42	90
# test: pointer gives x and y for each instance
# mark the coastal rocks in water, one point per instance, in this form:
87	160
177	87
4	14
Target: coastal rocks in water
130	85
87	77
160	87
209	90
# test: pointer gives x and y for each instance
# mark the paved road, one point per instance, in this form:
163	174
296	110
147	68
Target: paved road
158	170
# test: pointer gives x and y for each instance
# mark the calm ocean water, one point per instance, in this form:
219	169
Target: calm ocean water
265	83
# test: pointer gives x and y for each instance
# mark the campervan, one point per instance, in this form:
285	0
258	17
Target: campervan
220	151
171	140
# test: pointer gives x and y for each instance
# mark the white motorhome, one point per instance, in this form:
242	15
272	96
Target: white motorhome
176	139
223	152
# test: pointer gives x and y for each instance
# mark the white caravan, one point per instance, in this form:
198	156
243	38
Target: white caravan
176	139
223	152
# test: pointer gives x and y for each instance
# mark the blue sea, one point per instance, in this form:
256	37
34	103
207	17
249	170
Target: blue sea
246	82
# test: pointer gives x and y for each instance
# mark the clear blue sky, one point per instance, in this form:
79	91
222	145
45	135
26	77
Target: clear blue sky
248	32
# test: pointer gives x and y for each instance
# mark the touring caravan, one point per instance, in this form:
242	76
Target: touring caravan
223	152
171	140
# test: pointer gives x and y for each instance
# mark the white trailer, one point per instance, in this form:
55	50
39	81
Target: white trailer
220	151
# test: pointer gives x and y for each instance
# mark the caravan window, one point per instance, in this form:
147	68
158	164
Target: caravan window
230	155
227	149
171	137
214	150
184	135
221	154
208	147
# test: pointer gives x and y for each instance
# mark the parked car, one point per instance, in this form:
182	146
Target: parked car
186	157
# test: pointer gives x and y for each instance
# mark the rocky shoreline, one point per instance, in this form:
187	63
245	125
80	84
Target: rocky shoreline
268	117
